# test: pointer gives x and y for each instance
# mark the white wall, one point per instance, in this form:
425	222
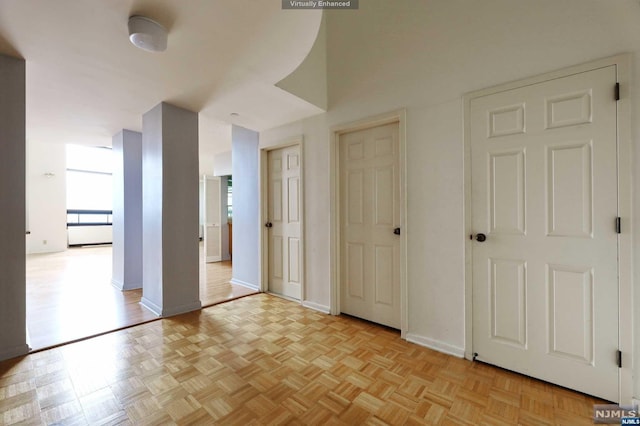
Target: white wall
222	164
423	56
246	215
309	80
13	330
46	197
127	212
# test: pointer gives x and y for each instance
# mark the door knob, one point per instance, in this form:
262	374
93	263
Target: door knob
396	231
481	238
268	224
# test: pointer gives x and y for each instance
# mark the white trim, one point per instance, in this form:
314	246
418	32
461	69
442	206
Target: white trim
182	309
176	310
264	211
151	306
316	307
400	117
119	285
245	284
14	351
625	264
436	345
625	239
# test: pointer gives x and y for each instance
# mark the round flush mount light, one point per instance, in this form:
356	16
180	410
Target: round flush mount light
147	34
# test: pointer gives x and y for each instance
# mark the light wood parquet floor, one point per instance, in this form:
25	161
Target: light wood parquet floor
266	360
70	296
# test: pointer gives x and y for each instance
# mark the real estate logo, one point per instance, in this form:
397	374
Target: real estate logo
612	413
320	4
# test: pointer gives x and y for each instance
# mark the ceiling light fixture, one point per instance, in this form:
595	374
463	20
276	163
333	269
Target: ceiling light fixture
147	34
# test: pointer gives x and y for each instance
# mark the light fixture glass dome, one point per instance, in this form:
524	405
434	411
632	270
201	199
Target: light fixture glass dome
147	34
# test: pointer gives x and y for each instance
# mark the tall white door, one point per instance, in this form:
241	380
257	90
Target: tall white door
212	220
285	244
544	193
369	224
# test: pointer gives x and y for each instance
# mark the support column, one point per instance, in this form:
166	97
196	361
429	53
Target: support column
170	248
127	210
13	324
246	207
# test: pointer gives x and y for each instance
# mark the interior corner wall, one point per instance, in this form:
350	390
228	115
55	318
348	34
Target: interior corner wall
246	212
46	197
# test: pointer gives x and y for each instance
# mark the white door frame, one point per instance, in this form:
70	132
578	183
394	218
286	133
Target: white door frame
625	319
264	212
398	116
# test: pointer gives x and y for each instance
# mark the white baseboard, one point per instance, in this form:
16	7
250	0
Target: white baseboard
244	284
182	309
121	286
151	306
316	307
436	345
15	351
169	312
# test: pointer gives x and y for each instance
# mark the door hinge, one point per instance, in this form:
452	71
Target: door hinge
618	225
619	359
617	91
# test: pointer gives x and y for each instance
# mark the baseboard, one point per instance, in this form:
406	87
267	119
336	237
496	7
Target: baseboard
436	345
169	312
121	286
244	284
151	306
213	259
13	352
316	307
182	309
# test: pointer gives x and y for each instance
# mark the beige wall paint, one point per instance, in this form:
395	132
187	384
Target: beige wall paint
424	55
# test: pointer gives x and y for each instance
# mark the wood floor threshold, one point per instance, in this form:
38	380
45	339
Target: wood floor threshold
81	339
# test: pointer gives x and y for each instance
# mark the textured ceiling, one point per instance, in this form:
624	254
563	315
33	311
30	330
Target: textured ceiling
86	81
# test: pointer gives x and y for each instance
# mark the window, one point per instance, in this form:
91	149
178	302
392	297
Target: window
89	179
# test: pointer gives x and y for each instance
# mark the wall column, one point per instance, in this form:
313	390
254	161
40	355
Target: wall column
246	207
127	210
170	247
13	320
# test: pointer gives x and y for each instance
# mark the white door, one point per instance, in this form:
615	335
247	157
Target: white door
285	244
369	216
544	192
212	220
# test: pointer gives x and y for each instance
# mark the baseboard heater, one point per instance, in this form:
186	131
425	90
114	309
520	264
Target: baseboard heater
89	227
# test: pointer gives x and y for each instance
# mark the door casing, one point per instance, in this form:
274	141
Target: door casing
398	116
624	146
264	212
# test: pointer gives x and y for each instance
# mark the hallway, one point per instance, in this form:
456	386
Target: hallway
70	296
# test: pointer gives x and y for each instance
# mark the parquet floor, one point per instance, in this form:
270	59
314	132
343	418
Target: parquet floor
265	360
70	296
